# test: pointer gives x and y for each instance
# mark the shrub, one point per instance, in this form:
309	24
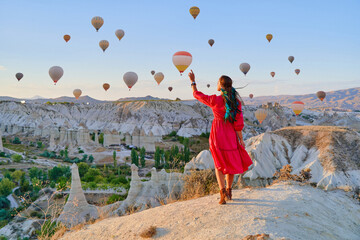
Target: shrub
45	154
115	198
199	184
16	141
16	157
173	134
52	184
6	187
91	159
149	232
39	144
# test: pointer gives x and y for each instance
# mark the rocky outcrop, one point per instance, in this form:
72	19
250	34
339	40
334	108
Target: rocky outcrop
283	210
1	143
77	210
202	161
21	228
331	153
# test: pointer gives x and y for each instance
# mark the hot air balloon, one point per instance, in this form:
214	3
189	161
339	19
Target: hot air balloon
152	72
182	60
211	42
56	73
321	95
159	77
251	95
130	78
77	93
104	45
194	11
208	85
272	74
297	71
260	115
170	89
245	67
297	107
119	34
19	76
67	38
269	37
291	59
97	22
106	86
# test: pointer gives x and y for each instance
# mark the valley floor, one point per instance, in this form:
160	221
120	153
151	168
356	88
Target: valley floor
284	210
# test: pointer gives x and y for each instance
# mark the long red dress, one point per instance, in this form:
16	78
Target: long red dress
229	156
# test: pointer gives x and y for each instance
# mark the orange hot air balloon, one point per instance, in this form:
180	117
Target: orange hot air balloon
19	76
269	37
104	45
67	38
194	11
170	89
152	72
77	93
159	77
106	86
182	60
260	115
251	95
291	59
272	74
297	71
97	22
321	95
297	107
56	73
211	42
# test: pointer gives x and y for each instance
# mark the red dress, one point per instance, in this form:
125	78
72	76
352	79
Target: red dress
229	156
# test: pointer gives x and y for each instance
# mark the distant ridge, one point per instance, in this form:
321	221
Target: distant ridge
148	97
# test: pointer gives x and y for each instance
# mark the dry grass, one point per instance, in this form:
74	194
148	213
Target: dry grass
59	233
198	184
149	232
285	174
262	236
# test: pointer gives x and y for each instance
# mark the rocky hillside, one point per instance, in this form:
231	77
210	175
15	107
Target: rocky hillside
343	99
332	154
284	210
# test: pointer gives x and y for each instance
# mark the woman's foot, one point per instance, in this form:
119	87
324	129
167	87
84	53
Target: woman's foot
228	194
222	196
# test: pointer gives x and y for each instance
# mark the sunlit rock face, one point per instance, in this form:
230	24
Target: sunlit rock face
332	154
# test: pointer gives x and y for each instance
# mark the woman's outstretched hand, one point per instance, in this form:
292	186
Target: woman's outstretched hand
192	76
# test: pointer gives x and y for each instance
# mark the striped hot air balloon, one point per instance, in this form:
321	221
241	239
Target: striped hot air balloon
297	107
182	60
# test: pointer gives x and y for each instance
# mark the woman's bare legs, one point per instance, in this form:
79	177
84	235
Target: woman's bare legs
220	178
229	180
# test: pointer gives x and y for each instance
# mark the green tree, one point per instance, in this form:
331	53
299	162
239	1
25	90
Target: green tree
157	157
6	187
4	203
16	141
114	159
134	157
142	156
39	144
16	157
91	159
62	153
84	158
91	174
34	172
101	138
24	184
83	169
16	175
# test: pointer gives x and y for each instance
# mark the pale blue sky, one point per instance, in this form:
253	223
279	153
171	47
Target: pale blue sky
323	35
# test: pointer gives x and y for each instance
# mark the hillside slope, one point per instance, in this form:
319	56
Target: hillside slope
283	210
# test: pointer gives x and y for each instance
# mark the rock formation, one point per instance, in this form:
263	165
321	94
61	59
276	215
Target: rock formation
332	154
1	143
77	210
203	160
111	138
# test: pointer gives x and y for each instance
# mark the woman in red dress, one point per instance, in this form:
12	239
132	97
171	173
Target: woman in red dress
226	141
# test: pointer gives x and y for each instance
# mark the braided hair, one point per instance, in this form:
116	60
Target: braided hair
231	97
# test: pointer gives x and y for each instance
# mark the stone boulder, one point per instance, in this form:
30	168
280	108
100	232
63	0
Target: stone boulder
203	160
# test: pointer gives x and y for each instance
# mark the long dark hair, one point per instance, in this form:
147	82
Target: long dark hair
231	97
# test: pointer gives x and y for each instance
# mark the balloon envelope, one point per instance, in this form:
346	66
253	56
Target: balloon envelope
321	95
152	72
291	58
104	45
56	73
77	93
130	78
170	89
119	34
260	114
19	76
106	86
208	85
245	67
272	74
182	60
269	37
194	11
159	77
97	22
297	71
297	107
67	38
211	42
251	95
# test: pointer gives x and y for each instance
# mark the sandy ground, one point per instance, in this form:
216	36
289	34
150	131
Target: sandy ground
283	210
